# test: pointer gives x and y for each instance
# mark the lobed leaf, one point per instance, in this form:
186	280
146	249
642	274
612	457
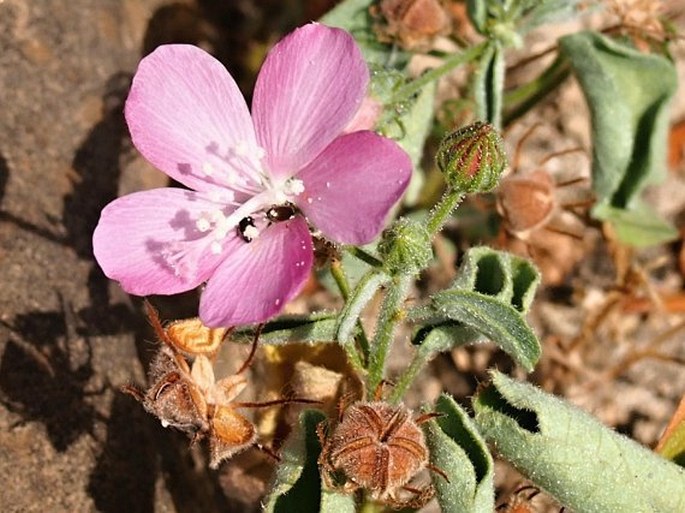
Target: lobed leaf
490	296
584	464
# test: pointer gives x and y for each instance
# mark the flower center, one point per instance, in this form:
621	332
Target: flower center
272	205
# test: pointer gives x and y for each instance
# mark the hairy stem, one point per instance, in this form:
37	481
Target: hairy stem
392	306
413	87
338	274
442	211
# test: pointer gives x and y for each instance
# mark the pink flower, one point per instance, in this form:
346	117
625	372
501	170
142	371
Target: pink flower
255	181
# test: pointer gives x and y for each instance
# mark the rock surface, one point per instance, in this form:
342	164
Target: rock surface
70	441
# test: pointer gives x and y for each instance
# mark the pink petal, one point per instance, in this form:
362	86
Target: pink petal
309	88
149	243
366	117
187	116
255	281
350	188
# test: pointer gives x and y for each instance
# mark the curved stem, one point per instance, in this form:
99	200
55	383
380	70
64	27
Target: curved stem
522	99
442	211
338	274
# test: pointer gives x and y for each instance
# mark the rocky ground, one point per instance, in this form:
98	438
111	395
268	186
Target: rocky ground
70	441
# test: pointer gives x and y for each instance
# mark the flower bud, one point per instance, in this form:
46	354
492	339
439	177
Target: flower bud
472	158
406	247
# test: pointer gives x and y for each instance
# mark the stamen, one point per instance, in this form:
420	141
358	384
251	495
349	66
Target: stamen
208	168
293	187
203	224
241	149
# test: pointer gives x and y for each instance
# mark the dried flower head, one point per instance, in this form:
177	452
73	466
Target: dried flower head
533	201
378	447
413	24
189	398
256	179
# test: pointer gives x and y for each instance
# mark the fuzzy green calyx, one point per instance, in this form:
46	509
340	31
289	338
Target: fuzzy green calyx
406	247
472	158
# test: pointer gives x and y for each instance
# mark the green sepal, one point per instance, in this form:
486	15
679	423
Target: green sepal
457	449
585	465
628	94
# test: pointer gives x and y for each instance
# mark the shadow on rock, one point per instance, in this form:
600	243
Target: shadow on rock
46	376
97	163
125	472
4	175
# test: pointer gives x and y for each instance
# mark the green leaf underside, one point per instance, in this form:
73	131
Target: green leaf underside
628	94
585	465
459	451
354	16
319	327
499	322
640	226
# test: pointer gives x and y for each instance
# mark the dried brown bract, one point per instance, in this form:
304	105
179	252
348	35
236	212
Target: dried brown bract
413	24
188	397
378	447
544	214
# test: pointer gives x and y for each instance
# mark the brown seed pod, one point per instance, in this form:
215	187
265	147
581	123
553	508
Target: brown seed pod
378	447
413	24
190	399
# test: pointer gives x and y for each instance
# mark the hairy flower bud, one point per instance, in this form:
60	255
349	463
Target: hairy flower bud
472	158
406	247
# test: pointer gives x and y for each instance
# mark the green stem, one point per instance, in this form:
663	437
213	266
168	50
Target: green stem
439	215
410	89
408	376
340	279
522	99
364	256
387	321
338	274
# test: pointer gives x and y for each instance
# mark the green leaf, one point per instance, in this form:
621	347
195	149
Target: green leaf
354	16
640	226
360	296
458	450
497	321
628	94
319	327
585	465
488	85
297	484
674	448
509	278
492	292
